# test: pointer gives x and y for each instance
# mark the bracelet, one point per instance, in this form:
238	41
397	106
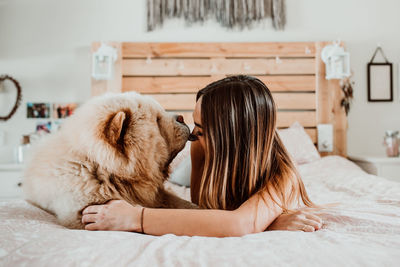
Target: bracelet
141	221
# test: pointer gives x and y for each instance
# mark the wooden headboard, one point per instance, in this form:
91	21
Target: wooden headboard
173	72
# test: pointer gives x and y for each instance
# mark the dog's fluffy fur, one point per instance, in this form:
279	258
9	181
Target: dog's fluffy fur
115	146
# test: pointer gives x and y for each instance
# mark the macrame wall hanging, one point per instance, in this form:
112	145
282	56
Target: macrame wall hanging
238	14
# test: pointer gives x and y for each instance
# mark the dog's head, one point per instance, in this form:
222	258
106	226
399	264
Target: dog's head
128	134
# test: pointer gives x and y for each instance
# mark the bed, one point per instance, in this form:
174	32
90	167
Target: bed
363	229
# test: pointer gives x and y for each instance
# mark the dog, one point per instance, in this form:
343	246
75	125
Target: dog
116	146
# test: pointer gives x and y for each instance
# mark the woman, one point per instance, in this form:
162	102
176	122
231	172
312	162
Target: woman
242	176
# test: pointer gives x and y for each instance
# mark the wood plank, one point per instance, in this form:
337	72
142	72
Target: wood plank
193	84
187	67
289	83
341	123
329	111
176	101
165	84
289	49
300	101
305	118
295	100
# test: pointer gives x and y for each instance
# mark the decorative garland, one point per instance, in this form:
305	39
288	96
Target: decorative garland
17	101
347	88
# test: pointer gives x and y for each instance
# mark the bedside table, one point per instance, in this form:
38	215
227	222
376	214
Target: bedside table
380	166
10	181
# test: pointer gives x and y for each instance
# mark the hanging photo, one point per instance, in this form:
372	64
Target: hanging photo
38	110
43	127
63	110
380	80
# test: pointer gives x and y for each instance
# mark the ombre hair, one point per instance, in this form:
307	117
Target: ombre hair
243	152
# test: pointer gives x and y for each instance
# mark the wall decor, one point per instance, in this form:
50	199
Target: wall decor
380	79
63	110
43	127
38	110
229	13
337	61
103	62
347	88
17	100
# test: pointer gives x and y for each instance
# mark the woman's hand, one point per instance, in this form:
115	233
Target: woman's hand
115	215
301	220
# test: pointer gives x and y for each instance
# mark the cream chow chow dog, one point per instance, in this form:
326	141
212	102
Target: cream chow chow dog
115	146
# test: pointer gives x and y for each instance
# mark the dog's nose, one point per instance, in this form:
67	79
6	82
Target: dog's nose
179	118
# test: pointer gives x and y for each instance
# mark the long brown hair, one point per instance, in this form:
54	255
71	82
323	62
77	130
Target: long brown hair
244	154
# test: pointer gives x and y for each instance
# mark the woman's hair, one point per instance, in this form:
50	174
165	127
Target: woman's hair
243	152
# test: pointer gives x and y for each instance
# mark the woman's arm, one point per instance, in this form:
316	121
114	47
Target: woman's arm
253	216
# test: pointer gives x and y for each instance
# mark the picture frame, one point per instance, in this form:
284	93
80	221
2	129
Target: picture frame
380	82
40	110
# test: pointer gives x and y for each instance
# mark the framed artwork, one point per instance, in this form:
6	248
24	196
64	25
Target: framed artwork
38	110
63	110
380	80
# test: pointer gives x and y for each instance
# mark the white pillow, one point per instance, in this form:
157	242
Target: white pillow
299	144
181	167
181	174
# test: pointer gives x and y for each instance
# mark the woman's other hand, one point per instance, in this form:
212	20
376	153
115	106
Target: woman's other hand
115	215
301	220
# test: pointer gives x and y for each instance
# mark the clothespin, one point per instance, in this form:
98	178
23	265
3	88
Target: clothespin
246	66
213	68
148	60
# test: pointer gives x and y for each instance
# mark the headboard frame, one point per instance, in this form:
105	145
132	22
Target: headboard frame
173	72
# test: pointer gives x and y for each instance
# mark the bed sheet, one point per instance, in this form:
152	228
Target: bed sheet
362	230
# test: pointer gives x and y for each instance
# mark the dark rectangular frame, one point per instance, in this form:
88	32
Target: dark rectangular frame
369	83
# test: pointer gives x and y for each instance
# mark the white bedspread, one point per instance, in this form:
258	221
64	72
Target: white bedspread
364	230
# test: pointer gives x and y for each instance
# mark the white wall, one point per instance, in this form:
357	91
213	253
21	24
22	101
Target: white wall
45	44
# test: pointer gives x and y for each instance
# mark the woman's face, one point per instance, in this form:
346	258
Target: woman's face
198	129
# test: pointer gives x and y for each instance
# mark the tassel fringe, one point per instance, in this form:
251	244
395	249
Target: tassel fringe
229	13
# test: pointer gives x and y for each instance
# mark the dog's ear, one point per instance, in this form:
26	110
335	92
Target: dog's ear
115	128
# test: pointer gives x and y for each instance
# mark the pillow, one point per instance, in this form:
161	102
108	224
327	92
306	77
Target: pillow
181	174
181	166
299	144
181	156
